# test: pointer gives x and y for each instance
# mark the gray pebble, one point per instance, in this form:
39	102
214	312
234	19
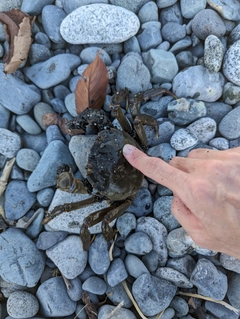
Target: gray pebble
184	264
52	17
52	304
230	263
138	243
229	11
117	294
204	129
148	12
213	53
220	311
217	110
133	74
48	239
10	4
206	22
171	13
152	294
34	7
173	275
182	139
132	45
38	53
162	65
205	85
233	292
28	95
68	255
229	127
88	55
231	93
75	292
95	285
22	304
20	260
162	212
98	257
132	6
44	174
27	159
45	196
125	224
165	131
165	3
38	142
180	306
58	105
142	203
42	38
116	272
10	143
158	235
189	8
53	133
163	151
173	32
18	199
85	26
28	124
5	117
150	260
184	59
122	313
39	110
135	267
220	143
157	108
210	281
53	71
150	37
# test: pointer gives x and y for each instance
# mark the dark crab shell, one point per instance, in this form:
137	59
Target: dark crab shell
108	171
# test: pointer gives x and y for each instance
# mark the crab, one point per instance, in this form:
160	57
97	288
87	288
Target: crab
108	174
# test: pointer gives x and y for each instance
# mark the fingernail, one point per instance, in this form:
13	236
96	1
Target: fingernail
127	149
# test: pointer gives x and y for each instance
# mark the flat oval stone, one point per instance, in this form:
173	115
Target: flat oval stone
22	304
10	143
97	23
231	63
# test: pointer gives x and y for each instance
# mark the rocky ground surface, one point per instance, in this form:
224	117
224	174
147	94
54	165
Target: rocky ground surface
189	47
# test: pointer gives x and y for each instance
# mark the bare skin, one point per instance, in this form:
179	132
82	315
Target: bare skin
206	189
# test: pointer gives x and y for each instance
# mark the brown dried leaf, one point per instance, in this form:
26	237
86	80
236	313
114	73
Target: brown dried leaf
91	89
17	26
55	119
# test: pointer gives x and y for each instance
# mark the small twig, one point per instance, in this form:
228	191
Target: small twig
24	222
66	281
120	305
111	249
5	174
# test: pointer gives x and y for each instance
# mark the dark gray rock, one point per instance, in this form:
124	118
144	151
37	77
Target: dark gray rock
135	267
10	143
142	203
116	272
98	256
125	224
39	53
173	275
150	37
87	55
75	292
173	32
229	126
184	264
220	311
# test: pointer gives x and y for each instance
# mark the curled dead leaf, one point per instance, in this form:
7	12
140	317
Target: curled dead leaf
17	27
91	88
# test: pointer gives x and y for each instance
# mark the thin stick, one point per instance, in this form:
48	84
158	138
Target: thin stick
120	305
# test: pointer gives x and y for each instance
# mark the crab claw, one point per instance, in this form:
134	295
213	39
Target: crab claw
107	231
85	237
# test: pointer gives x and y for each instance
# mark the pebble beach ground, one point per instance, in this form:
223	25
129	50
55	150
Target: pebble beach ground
189	47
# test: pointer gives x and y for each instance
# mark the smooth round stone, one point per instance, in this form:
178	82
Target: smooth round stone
28	95
95	285
152	294
134	266
37	142
75	292
150	37
206	22
53	133
210	281
173	32
230	263
157	108
70	103
28	124
184	111
173	275
34	7
38	53
52	17
182	139
180	306
45	196
165	3
20	261
142	203
125	224
5	117
233	292
88	55
22	304
132	45
54	304
133	74
43	39
18	199
204	129
134	6
150	260
184	264
231	93
98	256
219	311
117	294
138	243
220	143
58	105
158	235
68	255
189	8
48	239
184	59
27	159
198	83
217	110
53	71
229	10
39	110
231	63
116	272
10	143
172	13
213	53
44	175
148	12
162	212
105	310
96	23
162	65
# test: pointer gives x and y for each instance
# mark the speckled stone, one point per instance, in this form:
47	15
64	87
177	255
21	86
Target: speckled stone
105	310
230	10
22	304
96	23
204	129
182	139
213	53
231	63
173	275
10	143
190	8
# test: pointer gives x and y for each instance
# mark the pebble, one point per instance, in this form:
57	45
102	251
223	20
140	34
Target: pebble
125	224
220	311
233	290
183	139
163	151
165	130
105	310
117	294
150	260
134	266
150	37
231	63
117	272
20	261
53	71
189	8
132	45
18	199
162	65
27	159
204	129
229	11
39	53
184	265
10	143
55	154
205	85
38	142
148	12
52	17
220	143
49	239
180	306
34	7
52	304
142	203
42	38
165	3
95	23
87	55
213	53
22	304
5	117
173	32
39	110
132	6
69	257
162	212
98	255
138	243
231	93
95	285
152	294
28	124
157	109
230	263
75	292
173	275
210	281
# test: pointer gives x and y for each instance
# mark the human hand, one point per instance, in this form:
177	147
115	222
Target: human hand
206	188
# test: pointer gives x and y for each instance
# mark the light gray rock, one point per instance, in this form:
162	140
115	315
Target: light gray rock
105	310
10	143
173	275
213	53
189	8
22	304
204	129
34	7
229	10
130	5
96	23
231	63
182	139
